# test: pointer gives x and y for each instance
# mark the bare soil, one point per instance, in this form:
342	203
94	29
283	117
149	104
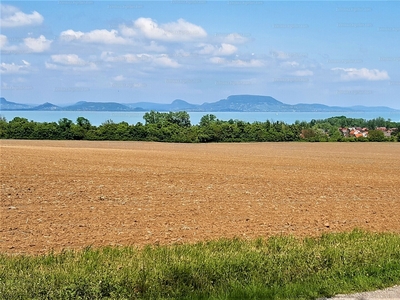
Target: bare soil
70	194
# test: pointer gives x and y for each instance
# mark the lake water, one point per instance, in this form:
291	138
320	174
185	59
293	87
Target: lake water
97	118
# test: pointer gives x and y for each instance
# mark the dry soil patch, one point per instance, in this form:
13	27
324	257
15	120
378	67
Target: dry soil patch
70	194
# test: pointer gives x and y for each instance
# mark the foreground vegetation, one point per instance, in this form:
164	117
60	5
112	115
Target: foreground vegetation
176	127
276	268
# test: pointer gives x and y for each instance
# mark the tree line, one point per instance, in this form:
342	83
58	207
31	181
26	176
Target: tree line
176	127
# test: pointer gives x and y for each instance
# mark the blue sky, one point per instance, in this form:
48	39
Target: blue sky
335	53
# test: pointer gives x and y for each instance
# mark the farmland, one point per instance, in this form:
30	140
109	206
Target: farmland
71	194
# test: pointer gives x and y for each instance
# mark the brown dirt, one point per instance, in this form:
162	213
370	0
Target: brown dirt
70	194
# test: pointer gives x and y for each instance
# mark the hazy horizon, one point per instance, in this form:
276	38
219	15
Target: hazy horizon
333	53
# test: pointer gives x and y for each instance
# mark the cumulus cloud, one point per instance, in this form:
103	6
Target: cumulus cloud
252	63
289	64
180	30
11	16
348	74
127	31
165	61
14	68
128	58
234	38
37	45
280	55
101	36
67	59
119	78
3	40
206	49
70	35
224	49
154	47
29	45
162	60
69	62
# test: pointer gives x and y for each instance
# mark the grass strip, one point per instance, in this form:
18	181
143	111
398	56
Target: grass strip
275	268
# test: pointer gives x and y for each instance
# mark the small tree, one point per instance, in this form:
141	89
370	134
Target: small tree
376	136
84	123
207	120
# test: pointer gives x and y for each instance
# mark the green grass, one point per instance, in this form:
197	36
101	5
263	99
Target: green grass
274	268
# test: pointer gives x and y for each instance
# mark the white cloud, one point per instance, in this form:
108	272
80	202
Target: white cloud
348	74
37	45
3	40
119	78
101	36
128	58
72	62
252	63
165	61
154	47
13	68
159	60
180	30
29	45
280	55
234	38
70	35
127	31
247	63
224	49
206	49
67	59
217	60
13	17
290	64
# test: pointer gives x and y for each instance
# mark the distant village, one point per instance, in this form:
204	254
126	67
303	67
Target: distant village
363	132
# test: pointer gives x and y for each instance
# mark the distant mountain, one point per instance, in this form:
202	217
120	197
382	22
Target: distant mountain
372	108
47	106
305	107
181	105
176	105
245	103
97	106
234	103
149	106
7	105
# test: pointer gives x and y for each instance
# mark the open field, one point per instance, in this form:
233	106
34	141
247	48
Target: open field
58	194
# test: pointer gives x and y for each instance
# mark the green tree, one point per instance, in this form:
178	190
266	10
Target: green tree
107	131
83	123
21	128
376	136
180	118
154	117
3	128
64	126
206	120
46	131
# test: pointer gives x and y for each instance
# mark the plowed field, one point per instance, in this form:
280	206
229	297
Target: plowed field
61	195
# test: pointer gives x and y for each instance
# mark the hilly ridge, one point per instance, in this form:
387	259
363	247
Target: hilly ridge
233	103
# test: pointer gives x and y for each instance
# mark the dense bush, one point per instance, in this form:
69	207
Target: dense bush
176	127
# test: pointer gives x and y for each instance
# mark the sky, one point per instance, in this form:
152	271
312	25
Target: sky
334	53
